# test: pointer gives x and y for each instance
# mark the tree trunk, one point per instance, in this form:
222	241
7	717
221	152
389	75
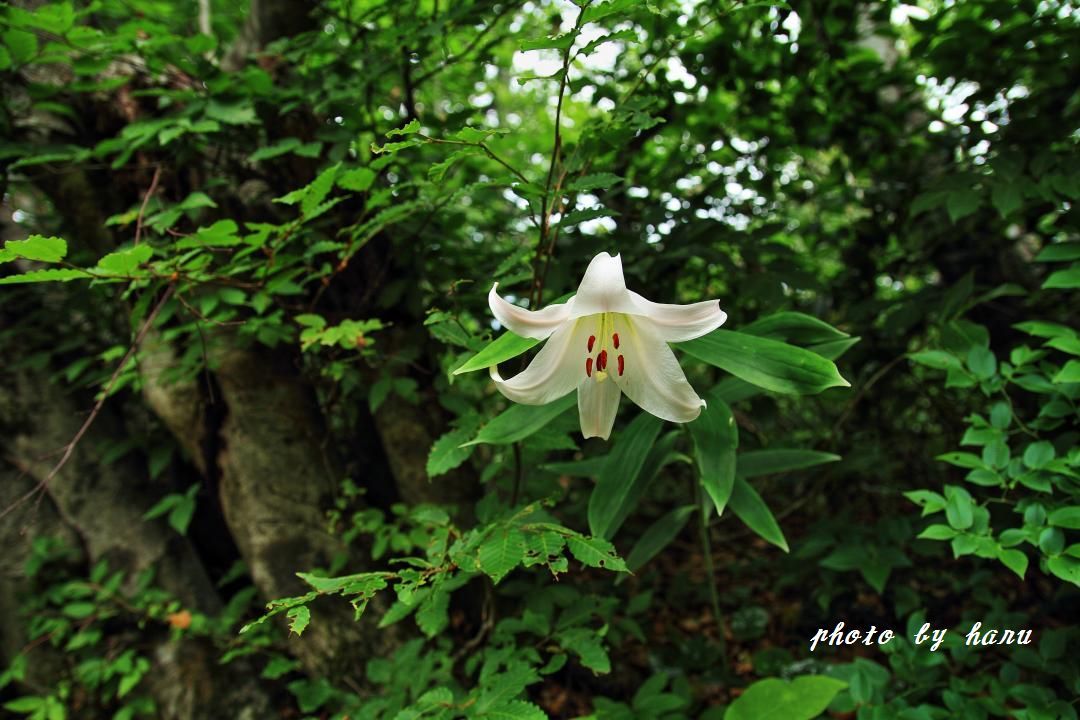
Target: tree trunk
98	504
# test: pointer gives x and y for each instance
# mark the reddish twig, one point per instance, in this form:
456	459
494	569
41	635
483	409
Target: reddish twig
70	447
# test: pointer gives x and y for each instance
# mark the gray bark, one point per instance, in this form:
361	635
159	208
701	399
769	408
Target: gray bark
279	475
98	505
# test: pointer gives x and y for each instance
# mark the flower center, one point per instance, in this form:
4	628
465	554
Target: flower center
598	360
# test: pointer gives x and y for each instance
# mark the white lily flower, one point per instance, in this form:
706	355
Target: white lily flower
605	341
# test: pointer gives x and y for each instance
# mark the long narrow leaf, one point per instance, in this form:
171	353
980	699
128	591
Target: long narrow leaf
766	462
503	348
716	440
615	484
658	536
769	364
752	510
520	421
661	454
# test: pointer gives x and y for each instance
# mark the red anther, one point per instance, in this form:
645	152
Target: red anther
588	367
621	365
592	341
615	339
601	360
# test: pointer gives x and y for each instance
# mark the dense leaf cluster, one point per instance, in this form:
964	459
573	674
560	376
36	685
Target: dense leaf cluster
248	446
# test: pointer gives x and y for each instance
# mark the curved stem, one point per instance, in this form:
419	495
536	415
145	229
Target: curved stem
704	509
550	199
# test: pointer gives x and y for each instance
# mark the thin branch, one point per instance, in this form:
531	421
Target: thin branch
549	200
146	200
483	146
468	48
70	447
864	389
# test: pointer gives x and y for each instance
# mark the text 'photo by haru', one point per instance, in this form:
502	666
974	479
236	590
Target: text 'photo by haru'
539	360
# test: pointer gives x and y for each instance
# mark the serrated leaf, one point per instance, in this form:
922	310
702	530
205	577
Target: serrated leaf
125	262
413	126
502	551
21	45
50	275
596	552
319	188
35	247
299	617
598	11
591	47
596	181
937	532
585	643
162	506
500	688
223	233
559	42
447	453
357	179
514	710
432	616
580	216
543	547
438	171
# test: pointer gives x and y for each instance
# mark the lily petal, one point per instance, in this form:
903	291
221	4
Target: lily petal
537	324
651	376
677	323
598	402
603	288
556	370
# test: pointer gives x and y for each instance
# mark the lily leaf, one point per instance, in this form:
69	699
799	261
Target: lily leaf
716	439
769	364
766	462
503	348
752	510
620	471
520	421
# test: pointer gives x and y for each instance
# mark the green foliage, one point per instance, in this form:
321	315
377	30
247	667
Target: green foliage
858	182
803	698
180	509
769	364
1019	451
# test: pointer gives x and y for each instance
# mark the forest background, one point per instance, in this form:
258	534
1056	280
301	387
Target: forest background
247	251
